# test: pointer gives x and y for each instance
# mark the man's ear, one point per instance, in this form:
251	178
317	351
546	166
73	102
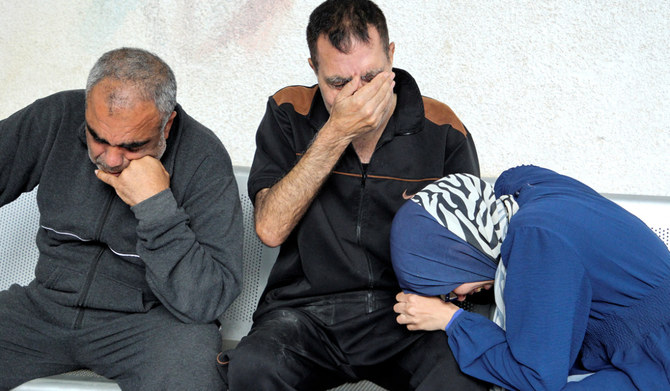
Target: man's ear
311	65
391	52
168	125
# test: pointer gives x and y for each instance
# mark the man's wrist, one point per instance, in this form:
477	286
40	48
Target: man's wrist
332	137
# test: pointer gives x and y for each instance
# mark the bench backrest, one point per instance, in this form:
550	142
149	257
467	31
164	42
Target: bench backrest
653	210
20	219
258	260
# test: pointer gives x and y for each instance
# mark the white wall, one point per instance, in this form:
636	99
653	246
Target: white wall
582	87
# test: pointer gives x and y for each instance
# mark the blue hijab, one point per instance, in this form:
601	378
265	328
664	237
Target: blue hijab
448	234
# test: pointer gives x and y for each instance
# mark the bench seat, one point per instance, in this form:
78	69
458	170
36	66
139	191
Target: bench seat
18	255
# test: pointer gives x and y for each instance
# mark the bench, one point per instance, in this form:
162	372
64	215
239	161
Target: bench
18	255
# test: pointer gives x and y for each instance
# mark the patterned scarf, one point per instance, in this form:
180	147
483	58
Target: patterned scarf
466	206
430	260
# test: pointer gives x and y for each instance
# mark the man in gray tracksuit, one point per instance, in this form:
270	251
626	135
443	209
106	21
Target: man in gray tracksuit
140	235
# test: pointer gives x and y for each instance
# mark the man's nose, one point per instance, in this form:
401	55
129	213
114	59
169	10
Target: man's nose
113	157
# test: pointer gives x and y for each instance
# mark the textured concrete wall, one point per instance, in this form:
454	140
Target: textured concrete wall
582	87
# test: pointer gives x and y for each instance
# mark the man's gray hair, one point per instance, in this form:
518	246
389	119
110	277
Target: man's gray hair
152	77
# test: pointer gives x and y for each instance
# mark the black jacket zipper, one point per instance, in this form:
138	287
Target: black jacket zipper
94	266
370	298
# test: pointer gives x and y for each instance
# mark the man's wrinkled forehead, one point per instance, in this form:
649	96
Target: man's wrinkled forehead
364	60
116	94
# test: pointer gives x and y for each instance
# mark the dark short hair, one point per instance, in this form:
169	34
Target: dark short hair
151	75
344	20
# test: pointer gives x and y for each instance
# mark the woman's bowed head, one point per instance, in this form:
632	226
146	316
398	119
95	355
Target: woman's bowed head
432	261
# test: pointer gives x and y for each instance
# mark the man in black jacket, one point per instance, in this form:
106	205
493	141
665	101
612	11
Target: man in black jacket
140	233
333	163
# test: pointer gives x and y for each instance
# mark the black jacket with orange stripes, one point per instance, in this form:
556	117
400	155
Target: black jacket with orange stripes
341	245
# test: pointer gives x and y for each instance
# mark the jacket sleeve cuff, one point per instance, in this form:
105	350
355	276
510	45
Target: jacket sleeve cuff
155	208
456	315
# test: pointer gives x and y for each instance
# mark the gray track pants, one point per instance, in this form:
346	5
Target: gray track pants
142	351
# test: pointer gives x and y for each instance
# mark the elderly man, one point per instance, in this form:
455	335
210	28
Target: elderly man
140	233
333	163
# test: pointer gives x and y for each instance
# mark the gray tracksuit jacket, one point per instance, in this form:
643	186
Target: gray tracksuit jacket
181	248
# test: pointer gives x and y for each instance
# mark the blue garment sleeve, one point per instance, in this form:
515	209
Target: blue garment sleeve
530	178
547	298
456	315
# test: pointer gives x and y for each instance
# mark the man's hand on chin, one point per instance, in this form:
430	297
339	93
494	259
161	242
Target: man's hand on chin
142	179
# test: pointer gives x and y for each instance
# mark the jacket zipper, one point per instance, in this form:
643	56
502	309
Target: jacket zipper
94	266
370	296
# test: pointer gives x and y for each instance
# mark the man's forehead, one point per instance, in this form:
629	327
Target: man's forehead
361	59
347	42
117	95
350	44
121	123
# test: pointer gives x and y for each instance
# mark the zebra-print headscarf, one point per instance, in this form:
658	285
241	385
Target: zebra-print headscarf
430	260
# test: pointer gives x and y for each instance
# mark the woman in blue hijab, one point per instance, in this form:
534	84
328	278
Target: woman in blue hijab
581	285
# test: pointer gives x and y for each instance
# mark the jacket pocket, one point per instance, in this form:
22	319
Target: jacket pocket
64	280
111	294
